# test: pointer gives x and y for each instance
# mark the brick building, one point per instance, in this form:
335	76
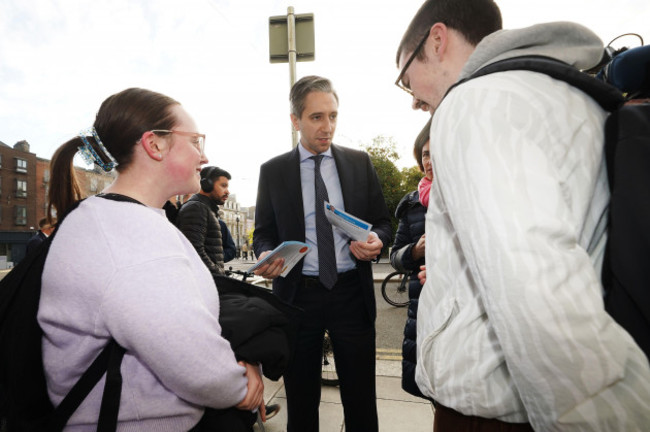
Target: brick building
24	186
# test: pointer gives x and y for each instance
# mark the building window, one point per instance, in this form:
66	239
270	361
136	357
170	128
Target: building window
21	188
21	165
46	176
0	161
21	215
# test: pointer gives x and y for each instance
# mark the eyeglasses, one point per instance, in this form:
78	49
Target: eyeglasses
417	49
198	140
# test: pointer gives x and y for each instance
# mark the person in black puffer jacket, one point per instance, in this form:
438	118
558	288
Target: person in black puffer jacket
407	254
198	218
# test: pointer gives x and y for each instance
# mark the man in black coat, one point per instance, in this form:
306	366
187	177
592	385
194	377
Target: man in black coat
44	231
336	291
198	218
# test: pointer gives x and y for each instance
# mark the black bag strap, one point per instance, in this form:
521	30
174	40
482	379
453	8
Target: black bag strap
607	96
108	361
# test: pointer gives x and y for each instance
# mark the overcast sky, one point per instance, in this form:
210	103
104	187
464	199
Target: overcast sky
59	59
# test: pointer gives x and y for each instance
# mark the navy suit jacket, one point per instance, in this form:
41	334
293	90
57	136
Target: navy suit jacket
279	214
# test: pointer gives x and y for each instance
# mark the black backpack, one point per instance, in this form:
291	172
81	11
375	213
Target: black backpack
24	402
626	267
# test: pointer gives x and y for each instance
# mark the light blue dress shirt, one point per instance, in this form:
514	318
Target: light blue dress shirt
344	259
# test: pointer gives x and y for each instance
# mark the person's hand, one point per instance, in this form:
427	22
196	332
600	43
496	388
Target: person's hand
368	250
422	276
255	393
262	409
270	270
417	251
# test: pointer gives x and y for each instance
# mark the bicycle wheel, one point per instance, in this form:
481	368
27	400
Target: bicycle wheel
394	289
329	377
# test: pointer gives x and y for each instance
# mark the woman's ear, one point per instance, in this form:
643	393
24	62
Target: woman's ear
153	145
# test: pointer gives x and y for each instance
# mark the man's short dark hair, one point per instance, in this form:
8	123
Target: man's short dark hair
474	19
303	87
420	141
213	173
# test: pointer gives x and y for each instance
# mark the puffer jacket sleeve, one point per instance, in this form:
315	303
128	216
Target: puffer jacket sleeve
192	220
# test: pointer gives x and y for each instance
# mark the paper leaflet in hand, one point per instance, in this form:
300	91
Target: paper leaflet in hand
355	228
291	251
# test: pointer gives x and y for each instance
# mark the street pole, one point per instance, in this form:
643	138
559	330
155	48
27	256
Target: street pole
291	39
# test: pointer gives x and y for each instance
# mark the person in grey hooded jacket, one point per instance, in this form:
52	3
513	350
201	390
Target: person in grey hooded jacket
512	332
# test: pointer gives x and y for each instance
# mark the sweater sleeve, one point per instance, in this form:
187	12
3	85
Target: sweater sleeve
176	334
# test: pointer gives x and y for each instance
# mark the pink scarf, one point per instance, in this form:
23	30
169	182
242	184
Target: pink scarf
424	187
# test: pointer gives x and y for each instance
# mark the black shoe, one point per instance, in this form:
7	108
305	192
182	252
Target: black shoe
272	410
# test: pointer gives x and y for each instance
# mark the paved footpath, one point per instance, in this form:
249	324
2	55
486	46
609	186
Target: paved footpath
398	410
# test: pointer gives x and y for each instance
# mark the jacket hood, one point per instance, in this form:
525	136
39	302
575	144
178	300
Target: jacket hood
565	41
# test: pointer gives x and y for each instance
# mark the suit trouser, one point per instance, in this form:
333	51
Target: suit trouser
343	313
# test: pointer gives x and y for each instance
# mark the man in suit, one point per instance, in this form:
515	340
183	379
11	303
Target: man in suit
334	283
44	231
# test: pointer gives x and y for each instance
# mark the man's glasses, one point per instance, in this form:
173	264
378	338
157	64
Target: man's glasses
417	49
198	140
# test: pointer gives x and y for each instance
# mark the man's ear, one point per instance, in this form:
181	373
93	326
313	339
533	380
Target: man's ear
153	145
438	39
295	121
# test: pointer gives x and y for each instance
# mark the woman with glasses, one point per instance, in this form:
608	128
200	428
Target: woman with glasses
117	269
407	254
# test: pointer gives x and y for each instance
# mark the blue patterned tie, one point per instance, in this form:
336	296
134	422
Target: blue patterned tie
324	235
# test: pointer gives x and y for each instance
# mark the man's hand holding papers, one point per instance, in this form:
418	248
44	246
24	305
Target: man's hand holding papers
365	245
280	260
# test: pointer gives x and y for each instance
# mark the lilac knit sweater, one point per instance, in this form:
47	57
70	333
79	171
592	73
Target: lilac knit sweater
121	270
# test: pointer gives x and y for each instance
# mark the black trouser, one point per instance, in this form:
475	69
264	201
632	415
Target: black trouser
343	313
225	420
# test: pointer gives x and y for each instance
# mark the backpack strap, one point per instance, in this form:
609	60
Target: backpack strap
109	361
607	96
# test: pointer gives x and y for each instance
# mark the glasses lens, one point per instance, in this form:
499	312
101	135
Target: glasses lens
202	144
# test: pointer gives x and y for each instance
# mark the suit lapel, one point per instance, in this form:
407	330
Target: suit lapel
292	186
345	170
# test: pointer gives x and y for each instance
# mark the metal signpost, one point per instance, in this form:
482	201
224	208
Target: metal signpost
291	39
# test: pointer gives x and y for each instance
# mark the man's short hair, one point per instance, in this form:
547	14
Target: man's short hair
474	19
303	87
420	141
213	173
43	223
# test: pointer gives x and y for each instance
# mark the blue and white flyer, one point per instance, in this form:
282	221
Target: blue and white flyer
355	228
291	251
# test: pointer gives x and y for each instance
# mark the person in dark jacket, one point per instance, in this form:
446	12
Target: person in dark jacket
407	254
198	218
44	231
229	249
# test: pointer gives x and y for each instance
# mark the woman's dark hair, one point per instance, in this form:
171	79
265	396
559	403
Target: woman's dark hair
420	141
120	122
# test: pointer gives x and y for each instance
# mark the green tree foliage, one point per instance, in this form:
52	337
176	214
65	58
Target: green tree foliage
411	177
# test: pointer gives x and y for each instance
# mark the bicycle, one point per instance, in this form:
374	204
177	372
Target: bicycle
394	288
243	276
329	377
